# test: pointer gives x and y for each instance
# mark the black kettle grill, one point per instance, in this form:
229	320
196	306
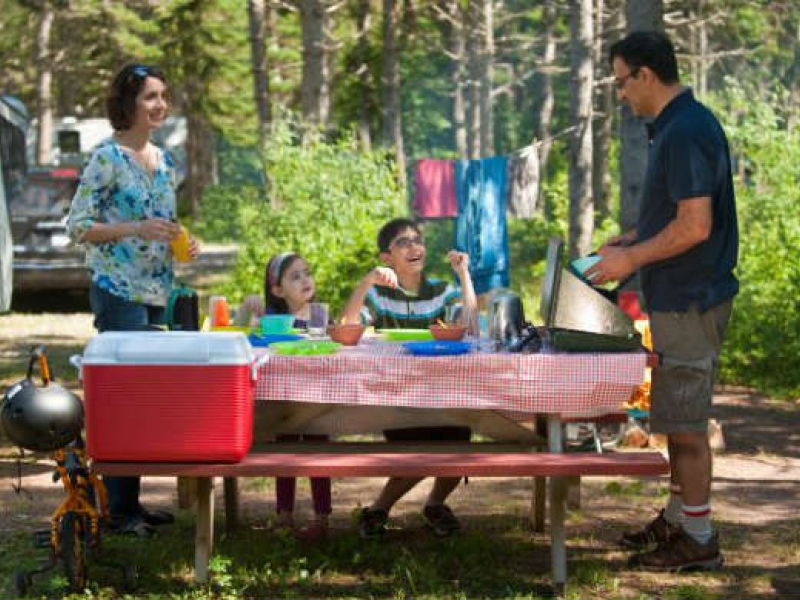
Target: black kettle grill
578	316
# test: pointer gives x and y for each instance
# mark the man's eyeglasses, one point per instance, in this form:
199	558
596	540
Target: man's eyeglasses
620	82
407	242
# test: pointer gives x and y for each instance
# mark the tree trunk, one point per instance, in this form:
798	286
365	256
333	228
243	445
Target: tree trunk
581	213
201	165
641	15
455	25
363	24
44	89
314	88
473	79
698	46
601	177
486	70
793	77
548	98
392	117
257	12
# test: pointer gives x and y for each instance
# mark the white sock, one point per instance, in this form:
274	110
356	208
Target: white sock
673	513
697	522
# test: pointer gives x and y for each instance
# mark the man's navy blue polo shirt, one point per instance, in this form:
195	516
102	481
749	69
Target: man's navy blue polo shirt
689	157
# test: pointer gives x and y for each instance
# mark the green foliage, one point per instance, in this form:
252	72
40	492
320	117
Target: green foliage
222	210
326	201
762	347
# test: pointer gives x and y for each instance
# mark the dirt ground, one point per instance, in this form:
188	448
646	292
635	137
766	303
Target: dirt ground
756	495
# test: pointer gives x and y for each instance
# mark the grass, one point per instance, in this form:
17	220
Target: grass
495	557
261	564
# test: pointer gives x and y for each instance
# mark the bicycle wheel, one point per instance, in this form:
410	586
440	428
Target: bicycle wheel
73	550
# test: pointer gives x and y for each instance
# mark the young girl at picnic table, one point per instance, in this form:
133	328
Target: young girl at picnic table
289	289
396	295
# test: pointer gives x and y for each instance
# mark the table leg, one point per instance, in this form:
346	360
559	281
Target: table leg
558	493
187	492
230	486
539	499
538	503
204	535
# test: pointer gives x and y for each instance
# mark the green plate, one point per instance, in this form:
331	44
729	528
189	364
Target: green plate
405	335
305	347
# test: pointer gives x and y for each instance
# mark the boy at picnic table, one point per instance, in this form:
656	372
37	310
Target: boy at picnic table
400	295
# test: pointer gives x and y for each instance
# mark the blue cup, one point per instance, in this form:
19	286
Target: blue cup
273	324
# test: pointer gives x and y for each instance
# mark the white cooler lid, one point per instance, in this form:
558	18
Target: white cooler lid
168	348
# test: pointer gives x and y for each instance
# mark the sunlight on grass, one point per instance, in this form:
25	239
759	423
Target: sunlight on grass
625	488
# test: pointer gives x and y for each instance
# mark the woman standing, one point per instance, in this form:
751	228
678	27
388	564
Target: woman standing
124	213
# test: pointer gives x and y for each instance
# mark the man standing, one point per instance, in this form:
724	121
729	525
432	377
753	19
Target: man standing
685	247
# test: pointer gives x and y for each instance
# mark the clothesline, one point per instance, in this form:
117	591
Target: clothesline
536	144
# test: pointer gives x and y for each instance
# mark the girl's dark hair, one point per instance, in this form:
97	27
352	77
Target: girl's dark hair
651	49
273	273
121	99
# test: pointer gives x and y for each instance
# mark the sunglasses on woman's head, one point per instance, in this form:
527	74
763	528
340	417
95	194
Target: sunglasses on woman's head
141	71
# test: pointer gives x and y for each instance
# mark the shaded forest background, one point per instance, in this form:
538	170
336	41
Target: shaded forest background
305	119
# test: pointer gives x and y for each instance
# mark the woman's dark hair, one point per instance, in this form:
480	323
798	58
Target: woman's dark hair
274	272
390	230
121	100
651	49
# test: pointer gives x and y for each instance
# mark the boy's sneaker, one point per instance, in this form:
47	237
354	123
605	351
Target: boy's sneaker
657	531
681	552
441	519
372	522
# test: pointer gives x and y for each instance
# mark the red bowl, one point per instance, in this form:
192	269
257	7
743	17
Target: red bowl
453	332
348	334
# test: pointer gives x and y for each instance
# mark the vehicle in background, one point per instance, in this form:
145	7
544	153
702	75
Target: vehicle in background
13	125
44	257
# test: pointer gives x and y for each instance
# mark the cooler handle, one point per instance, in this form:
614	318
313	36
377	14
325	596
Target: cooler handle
257	364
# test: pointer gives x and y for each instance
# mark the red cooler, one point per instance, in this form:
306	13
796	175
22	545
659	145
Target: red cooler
169	396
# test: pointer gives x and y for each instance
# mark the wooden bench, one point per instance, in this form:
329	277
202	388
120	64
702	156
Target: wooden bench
385	460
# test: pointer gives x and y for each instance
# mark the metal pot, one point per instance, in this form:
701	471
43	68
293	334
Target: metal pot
506	317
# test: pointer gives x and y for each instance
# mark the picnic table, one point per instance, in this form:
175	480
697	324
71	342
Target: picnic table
377	385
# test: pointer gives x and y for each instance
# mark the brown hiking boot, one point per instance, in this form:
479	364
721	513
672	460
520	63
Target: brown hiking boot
681	552
656	531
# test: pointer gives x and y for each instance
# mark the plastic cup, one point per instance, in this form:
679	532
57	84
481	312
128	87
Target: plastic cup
181	246
218	311
317	319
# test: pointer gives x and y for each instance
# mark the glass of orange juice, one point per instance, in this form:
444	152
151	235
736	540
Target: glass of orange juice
180	246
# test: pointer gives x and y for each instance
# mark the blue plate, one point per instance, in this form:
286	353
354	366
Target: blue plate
437	348
262	340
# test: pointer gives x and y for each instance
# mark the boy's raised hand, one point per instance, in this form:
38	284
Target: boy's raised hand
383	276
459	261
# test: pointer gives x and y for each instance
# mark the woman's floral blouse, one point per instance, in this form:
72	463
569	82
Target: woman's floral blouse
114	188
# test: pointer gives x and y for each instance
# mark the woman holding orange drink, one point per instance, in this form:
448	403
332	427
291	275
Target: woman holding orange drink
124	214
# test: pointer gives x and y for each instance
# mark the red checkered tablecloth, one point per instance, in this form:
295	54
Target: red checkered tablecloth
520	385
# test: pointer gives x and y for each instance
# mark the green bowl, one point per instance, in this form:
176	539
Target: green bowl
305	347
405	335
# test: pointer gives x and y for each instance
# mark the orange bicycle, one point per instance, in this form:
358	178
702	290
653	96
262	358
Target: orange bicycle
49	419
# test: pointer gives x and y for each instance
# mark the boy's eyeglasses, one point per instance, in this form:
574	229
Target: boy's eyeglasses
407	242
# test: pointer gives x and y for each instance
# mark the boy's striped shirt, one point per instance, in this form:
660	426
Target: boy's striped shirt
390	308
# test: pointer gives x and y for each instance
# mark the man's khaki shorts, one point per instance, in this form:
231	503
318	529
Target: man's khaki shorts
683	385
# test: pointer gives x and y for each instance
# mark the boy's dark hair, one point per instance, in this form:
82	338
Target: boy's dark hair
121	99
390	230
651	49
273	273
